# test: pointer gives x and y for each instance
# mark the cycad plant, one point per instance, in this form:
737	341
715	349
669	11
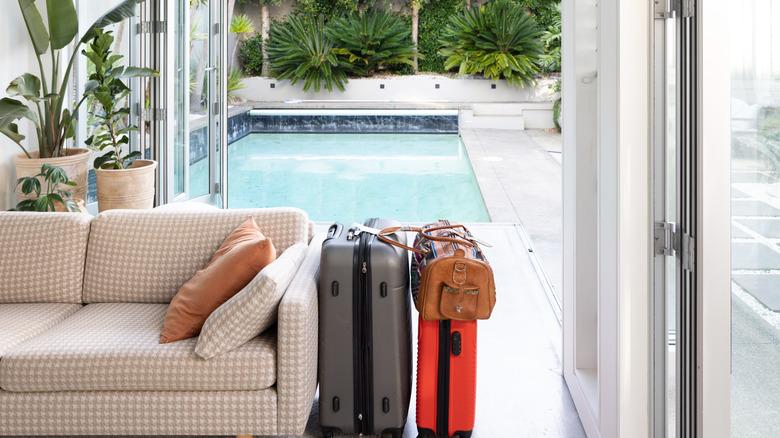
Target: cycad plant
373	41
42	99
300	51
498	40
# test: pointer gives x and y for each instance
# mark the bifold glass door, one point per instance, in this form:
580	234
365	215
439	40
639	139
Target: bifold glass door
674	326
755	217
194	169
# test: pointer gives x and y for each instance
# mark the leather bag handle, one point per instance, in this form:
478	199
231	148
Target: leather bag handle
384	234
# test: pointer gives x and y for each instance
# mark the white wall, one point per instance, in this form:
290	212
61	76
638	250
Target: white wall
417	88
16	57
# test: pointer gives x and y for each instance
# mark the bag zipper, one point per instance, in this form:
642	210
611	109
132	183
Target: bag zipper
361	342
443	384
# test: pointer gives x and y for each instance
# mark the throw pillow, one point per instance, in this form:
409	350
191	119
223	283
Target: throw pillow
244	253
250	312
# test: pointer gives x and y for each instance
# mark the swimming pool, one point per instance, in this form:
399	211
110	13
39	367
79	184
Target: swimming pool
349	177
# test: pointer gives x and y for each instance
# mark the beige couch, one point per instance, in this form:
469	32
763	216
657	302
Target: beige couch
82	302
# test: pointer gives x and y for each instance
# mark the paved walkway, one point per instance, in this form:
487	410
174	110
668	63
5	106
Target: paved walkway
519	173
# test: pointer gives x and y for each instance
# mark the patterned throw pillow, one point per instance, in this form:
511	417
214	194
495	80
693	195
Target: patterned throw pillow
251	311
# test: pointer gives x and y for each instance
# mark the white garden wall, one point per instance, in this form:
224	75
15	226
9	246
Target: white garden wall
479	99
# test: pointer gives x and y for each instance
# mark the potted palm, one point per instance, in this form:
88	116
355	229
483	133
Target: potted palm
124	181
42	100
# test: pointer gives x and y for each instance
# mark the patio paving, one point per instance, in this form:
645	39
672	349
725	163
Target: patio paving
519	173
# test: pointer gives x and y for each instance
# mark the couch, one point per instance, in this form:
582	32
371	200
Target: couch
82	302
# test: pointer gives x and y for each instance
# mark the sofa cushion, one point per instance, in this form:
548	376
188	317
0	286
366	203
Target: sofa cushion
20	322
251	311
145	256
42	257
116	346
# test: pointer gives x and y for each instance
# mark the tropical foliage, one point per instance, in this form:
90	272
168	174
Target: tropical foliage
300	51
372	41
53	198
42	99
498	40
106	87
234	83
250	55
242	27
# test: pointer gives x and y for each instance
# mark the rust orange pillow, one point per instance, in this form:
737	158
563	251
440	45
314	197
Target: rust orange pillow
242	255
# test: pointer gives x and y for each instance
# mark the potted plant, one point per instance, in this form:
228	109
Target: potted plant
55	198
124	181
42	100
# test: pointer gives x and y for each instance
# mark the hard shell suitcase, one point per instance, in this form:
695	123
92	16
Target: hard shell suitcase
365	363
446	378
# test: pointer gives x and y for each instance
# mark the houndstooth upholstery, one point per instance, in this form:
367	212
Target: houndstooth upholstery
251	311
115	347
139	413
297	344
20	322
145	256
42	257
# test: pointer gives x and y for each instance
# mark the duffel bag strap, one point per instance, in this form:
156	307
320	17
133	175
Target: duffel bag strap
426	233
384	236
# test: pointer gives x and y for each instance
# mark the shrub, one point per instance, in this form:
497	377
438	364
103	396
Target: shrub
299	50
372	41
434	16
250	55
547	14
326	9
551	60
498	40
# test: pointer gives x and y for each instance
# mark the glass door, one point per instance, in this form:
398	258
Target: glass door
196	98
755	217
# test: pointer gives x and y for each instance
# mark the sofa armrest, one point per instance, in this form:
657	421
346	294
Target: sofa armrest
297	334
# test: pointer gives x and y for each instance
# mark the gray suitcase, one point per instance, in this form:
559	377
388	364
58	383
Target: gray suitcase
365	363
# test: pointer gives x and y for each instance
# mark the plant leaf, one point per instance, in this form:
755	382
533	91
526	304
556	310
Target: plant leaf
12	110
12	131
27	85
137	72
124	10
63	22
35	27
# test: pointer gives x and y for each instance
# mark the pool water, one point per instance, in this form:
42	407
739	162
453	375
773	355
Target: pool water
349	177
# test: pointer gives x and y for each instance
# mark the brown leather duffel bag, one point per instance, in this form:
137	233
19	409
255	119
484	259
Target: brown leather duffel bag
451	278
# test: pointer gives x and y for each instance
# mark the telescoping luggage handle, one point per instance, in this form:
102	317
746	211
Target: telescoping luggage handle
384	234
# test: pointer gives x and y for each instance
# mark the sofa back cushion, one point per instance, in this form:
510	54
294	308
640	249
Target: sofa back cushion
42	257
145	256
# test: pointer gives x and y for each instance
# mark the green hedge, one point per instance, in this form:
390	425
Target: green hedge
434	16
250	55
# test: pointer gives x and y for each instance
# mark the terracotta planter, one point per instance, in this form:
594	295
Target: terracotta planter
131	188
75	163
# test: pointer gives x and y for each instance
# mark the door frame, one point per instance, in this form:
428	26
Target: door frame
607	215
713	257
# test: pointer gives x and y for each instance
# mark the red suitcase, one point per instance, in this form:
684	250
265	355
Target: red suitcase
446	378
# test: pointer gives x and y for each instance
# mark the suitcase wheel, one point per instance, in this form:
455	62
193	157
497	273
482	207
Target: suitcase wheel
328	432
